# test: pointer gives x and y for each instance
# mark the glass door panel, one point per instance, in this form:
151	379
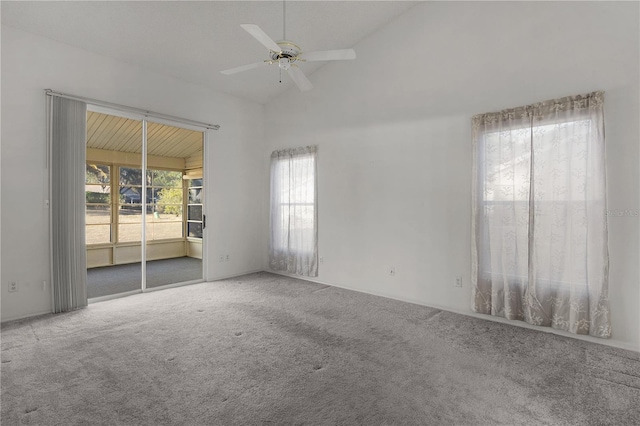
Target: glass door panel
113	204
173	154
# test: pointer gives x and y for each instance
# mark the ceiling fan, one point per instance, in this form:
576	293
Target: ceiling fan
287	55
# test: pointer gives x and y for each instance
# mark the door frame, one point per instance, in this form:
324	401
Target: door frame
206	135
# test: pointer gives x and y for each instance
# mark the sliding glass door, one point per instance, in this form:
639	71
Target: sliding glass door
174	157
138	189
114	204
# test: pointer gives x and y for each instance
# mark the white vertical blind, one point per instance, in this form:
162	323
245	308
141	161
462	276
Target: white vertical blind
67	152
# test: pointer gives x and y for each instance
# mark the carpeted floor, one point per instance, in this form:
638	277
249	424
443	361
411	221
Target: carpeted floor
116	279
269	350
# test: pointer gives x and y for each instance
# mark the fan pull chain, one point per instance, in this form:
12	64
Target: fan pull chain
280	69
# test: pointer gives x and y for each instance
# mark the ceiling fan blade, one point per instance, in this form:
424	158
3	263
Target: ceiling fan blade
329	55
244	68
262	37
299	78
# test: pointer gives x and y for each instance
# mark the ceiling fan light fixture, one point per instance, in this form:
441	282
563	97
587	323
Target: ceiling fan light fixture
284	63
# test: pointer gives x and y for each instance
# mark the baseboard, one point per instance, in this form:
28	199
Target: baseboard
130	293
606	342
613	343
164	287
113	296
225	277
19	317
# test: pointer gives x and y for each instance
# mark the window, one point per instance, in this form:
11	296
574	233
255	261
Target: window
295	206
130	205
164	200
165	195
195	217
560	175
98	204
293	242
539	224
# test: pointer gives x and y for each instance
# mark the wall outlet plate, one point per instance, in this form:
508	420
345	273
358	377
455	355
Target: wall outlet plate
458	282
13	286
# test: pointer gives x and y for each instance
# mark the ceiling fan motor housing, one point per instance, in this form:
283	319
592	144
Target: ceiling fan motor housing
288	50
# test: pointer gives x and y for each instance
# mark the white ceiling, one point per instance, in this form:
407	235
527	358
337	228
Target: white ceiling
194	41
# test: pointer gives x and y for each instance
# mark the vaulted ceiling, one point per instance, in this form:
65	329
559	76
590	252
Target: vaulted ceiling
194	41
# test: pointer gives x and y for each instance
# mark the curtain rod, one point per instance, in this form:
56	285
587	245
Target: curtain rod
124	108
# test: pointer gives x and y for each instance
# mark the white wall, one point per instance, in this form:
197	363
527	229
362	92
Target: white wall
393	130
31	64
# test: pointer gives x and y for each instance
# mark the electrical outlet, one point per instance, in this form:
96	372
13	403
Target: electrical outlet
227	258
392	271
458	282
321	259
222	258
13	286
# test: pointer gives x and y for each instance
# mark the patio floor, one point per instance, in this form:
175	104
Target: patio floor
116	279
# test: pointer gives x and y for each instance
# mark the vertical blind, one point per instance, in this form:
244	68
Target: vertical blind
67	152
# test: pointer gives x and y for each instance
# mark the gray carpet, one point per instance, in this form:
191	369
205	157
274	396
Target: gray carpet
268	350
116	279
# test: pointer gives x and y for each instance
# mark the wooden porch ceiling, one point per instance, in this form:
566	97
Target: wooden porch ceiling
114	133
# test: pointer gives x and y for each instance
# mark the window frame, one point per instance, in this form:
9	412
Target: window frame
115	204
276	243
154	205
109	206
189	204
518	280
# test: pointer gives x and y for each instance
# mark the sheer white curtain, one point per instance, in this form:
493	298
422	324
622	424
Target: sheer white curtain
293	246
539	230
67	153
